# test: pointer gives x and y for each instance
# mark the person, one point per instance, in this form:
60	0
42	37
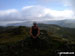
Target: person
34	31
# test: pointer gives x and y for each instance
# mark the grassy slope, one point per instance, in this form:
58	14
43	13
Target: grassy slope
16	43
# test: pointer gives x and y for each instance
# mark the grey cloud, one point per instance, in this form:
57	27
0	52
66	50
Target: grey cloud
73	5
29	13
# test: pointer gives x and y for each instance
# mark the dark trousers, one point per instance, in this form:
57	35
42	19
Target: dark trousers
35	42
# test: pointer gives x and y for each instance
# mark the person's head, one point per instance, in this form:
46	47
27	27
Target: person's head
34	24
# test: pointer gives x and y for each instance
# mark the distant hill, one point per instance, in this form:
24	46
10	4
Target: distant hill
28	24
54	30
63	23
59	31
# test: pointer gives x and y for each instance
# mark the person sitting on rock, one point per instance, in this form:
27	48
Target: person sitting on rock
34	31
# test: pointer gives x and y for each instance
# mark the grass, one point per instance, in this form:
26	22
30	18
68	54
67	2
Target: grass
12	39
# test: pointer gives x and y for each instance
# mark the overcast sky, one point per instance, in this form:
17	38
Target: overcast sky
41	10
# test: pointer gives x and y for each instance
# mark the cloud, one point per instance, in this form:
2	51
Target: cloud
6	12
37	12
46	13
7	15
70	4
55	13
26	7
49	1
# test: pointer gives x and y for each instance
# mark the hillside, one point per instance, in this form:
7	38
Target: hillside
16	41
69	23
55	30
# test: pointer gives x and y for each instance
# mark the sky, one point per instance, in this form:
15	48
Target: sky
13	11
